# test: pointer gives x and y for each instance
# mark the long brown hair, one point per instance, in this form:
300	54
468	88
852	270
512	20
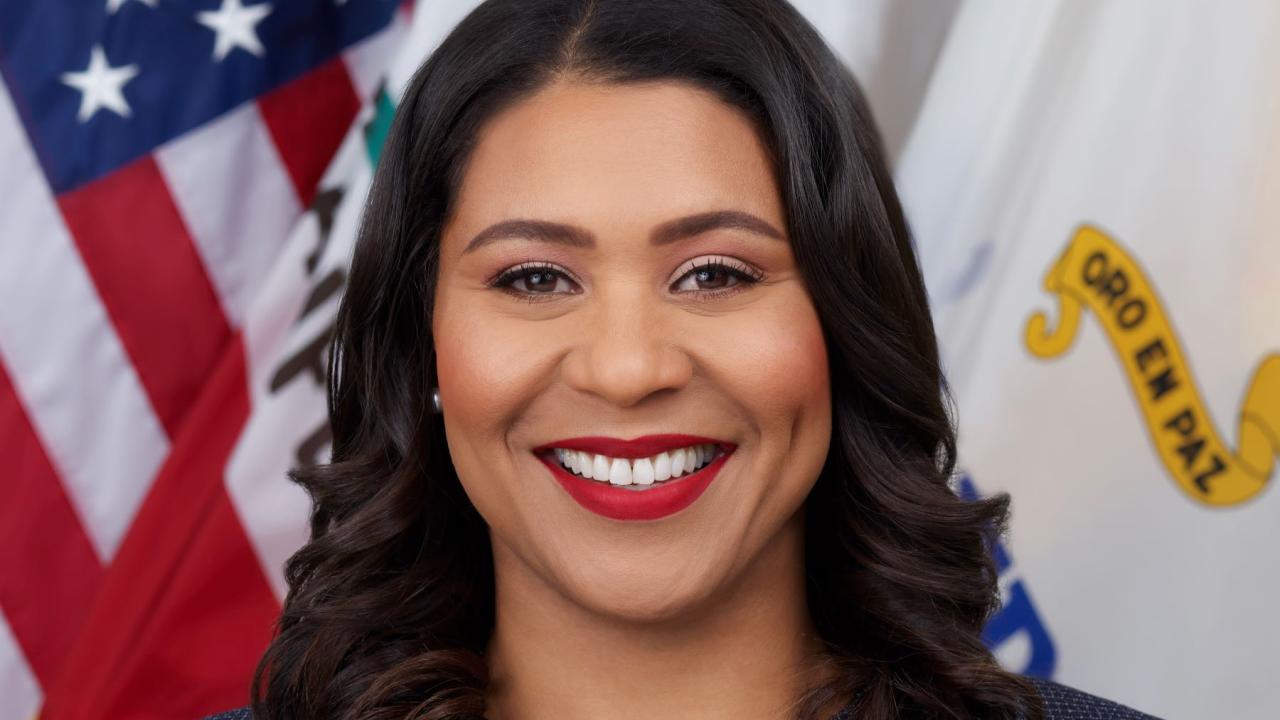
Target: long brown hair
390	604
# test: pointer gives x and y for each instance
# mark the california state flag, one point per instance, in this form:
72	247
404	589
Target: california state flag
1095	192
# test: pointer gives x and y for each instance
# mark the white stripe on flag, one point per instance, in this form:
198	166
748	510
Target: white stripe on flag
289	401
367	59
230	184
83	395
19	692
432	22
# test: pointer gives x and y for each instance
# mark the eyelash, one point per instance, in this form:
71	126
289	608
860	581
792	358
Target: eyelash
744	274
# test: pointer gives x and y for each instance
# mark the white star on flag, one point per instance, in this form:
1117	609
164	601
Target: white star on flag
100	85
235	26
114	5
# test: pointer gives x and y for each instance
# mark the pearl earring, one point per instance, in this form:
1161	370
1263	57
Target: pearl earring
435	400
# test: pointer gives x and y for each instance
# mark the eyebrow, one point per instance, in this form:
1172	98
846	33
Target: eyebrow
664	234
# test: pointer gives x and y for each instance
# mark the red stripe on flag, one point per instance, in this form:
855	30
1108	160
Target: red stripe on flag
185	610
49	571
152	282
308	118
197	652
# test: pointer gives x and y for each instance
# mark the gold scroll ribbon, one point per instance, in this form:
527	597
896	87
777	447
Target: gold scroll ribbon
1096	272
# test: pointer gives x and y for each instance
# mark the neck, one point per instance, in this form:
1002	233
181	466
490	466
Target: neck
750	653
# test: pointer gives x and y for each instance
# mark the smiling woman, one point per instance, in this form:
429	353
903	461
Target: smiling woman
644	288
636	399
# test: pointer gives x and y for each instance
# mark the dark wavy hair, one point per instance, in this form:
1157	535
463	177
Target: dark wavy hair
390	604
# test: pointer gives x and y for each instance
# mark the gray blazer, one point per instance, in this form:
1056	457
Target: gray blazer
1060	703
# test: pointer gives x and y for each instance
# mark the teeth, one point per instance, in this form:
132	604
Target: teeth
641	471
677	462
619	472
662	467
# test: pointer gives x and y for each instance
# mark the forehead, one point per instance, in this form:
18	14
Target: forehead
603	153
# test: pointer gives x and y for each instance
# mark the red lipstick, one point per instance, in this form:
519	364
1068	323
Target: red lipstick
623	502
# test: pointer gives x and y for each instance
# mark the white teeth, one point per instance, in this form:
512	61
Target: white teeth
619	472
677	463
662	467
642	472
600	468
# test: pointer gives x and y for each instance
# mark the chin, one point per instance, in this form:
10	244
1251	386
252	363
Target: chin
652	594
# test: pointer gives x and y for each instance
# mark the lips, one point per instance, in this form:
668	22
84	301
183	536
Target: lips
670	472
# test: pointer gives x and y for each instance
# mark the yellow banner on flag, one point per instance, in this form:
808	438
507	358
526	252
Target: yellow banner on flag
1095	271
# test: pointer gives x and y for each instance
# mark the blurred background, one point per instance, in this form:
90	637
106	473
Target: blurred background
1094	189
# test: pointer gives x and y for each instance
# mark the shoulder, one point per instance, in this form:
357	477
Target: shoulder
1060	703
237	714
1064	703
1067	703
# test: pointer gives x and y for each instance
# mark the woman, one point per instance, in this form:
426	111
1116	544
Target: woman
636	399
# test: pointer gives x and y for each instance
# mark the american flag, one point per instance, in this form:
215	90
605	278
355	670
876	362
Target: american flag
164	212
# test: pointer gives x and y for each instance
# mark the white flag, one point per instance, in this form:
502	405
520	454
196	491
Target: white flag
1093	188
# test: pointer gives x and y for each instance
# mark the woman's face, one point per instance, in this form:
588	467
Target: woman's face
616	268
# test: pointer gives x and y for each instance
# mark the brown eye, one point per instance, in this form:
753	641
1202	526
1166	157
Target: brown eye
540	281
712	278
534	281
716	277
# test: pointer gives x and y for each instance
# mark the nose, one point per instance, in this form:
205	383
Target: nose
628	349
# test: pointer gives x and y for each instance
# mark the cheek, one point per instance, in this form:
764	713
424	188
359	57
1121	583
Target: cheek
488	365
473	370
776	363
776	359
486	373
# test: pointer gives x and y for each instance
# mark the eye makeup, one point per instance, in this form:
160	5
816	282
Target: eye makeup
707	269
538	280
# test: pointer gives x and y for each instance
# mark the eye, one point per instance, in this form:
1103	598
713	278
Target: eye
534	281
717	276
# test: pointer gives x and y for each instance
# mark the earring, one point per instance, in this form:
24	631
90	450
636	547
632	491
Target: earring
435	400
